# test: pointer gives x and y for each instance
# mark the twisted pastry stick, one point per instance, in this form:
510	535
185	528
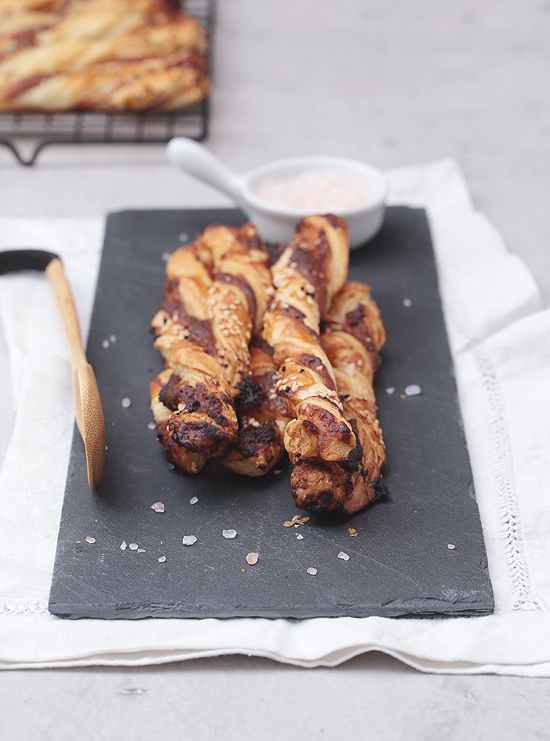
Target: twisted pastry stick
352	337
102	55
262	415
207	369
307	275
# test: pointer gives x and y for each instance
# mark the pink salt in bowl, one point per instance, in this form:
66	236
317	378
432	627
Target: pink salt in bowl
278	195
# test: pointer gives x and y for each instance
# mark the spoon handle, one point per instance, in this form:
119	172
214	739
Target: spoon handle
65	303
198	161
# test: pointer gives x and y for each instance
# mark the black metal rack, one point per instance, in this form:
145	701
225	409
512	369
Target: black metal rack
39	130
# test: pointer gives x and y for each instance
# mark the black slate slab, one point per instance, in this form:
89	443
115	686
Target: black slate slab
399	560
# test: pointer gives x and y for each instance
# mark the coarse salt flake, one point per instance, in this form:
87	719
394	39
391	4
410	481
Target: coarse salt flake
123	545
141	550
451	546
299	536
390	390
112	338
343	556
151	426
158	507
229	534
165	256
252	558
407	303
312	571
161	559
317	191
105	344
171	466
413	390
133	546
193	500
189	539
89	539
126	402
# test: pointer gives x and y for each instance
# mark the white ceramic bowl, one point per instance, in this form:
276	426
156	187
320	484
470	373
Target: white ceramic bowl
276	223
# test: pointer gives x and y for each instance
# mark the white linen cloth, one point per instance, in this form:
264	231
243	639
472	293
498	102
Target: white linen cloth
500	340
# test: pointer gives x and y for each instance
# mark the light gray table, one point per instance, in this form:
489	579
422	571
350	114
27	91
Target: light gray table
390	82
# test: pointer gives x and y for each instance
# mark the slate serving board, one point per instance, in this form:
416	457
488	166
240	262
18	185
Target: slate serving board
400	563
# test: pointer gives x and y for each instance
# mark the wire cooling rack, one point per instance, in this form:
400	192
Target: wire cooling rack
31	132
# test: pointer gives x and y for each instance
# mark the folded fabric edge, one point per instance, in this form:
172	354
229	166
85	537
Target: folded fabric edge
117	660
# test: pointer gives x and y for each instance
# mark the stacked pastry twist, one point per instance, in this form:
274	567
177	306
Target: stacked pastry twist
99	55
248	366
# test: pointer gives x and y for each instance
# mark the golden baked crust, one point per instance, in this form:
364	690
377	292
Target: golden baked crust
352	337
99	55
306	276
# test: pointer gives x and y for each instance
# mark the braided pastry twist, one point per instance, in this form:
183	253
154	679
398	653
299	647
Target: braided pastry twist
352	337
100	55
306	276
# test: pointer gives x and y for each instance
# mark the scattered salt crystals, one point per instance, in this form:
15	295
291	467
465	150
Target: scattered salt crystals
165	256
123	545
105	344
151	426
317	191
133	546
162	559
312	571
299	536
189	539
141	550
112	338
451	546
106	447
343	556
413	390
158	507
229	534
89	539
183	237
171	466
252	558
126	402
390	390
407	303
193	500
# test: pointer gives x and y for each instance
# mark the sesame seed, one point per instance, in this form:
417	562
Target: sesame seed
193	500
151	426
189	539
390	390
277	471
89	539
413	390
229	534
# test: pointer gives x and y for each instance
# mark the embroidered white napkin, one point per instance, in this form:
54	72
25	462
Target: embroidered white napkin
500	339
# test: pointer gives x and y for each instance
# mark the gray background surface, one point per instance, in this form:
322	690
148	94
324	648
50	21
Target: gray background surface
391	82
